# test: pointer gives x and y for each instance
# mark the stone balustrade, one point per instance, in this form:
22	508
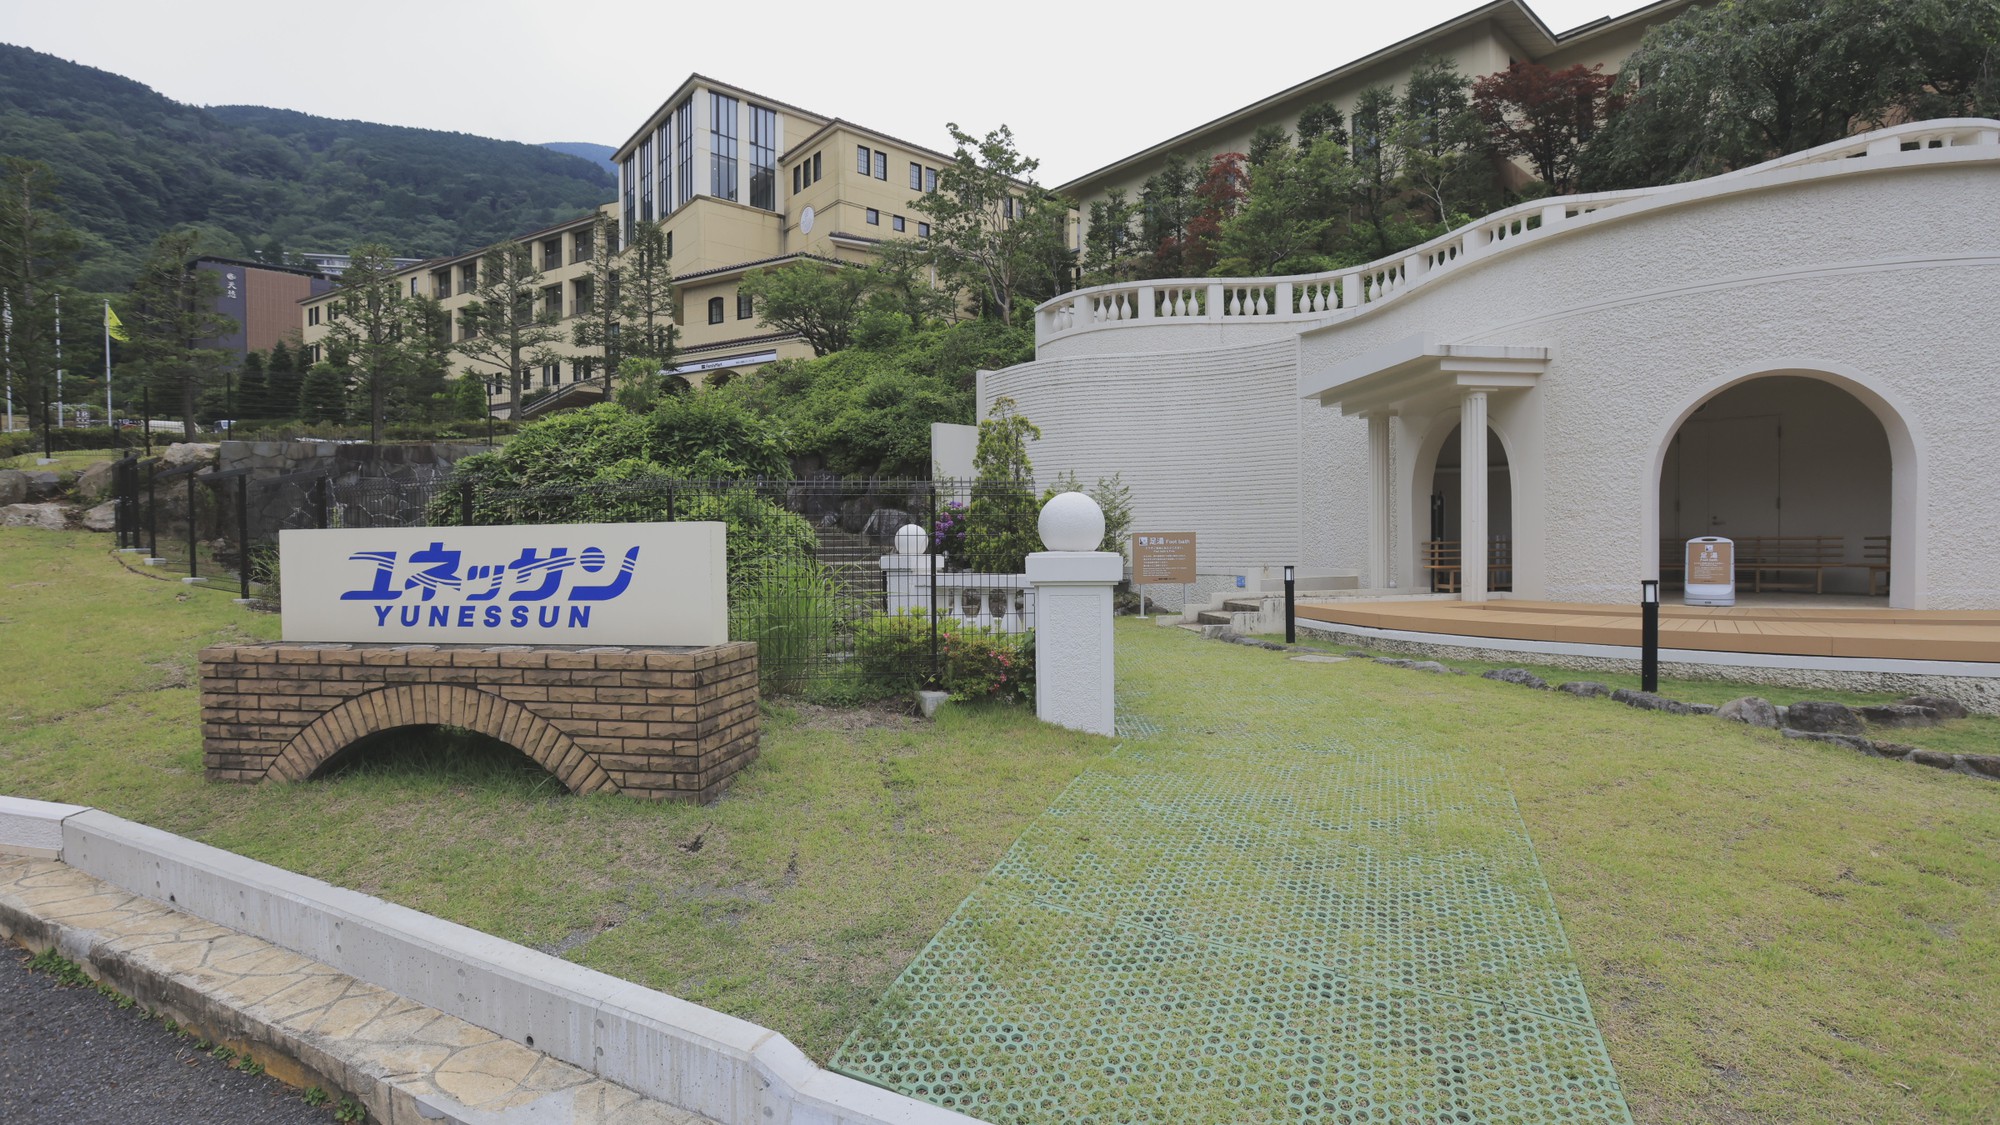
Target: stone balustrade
1337	293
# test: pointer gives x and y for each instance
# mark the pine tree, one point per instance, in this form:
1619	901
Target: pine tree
173	313
1001	522
507	329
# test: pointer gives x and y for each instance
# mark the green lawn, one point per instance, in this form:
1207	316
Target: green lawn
794	901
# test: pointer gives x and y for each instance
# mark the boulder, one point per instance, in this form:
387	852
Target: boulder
1852	742
1823	718
1648	701
1587	689
1701	708
48	517
104	517
1987	765
1395	662
1750	709
1355	652
1520	676
42	485
93	483
1945	708
13	487
188	453
1895	750
1431	666
883	523
1899	715
1936	759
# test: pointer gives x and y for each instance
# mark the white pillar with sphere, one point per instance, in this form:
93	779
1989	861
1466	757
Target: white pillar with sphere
1073	583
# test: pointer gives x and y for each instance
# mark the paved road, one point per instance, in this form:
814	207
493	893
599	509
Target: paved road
69	1056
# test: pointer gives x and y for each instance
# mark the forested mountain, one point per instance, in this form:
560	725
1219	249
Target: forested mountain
599	154
133	163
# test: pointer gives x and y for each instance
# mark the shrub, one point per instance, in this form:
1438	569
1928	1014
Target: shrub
93	437
794	608
1000	526
894	654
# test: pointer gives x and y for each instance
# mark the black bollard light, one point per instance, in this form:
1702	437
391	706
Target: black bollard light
1649	634
1291	623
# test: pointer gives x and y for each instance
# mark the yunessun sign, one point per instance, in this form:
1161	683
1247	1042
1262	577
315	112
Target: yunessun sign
560	584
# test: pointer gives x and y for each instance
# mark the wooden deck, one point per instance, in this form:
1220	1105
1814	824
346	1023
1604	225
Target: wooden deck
1798	629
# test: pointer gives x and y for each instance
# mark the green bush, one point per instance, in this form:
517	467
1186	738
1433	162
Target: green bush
30	441
894	654
1001	526
795	609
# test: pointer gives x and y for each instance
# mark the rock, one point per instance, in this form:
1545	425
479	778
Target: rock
1429	666
1899	715
188	453
1936	759
93	483
1647	701
104	517
883	523
1985	764
1355	652
13	487
1945	708
1850	741
1586	689
1892	749
48	517
1395	662
42	485
1822	718
1520	676
1701	708
1750	709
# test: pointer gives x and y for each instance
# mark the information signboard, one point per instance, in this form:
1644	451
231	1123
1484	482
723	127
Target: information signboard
1162	558
1711	571
554	584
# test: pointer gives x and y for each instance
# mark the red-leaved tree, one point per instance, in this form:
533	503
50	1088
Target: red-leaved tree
1544	115
1218	196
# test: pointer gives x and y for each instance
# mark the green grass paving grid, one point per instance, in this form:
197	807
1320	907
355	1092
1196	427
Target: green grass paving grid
1292	919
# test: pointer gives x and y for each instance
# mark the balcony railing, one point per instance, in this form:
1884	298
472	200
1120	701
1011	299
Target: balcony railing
1338	293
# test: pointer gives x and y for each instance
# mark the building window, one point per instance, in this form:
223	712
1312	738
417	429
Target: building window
861	163
580	248
715	310
916	177
721	146
664	138
670	244
312	315
579	370
881	165
579	299
413	285
441	283
930	179
896	222
552	254
815	171
611	241
797	170
1008	206
874	217
646	180
763	158
745	307
468	277
631	209
552	302
683	152
923	230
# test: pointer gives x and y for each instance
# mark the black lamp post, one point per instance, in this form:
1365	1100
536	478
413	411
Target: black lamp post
1291	625
1649	634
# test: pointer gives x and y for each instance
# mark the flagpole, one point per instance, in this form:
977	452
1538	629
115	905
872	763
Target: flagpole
108	419
59	369
7	347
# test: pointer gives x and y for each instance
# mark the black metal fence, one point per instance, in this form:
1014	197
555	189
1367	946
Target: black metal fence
807	580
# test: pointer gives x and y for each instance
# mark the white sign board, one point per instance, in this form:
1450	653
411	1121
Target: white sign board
556	584
1711	571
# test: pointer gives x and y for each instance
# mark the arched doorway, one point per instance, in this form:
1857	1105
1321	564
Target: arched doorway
1800	472
1443	523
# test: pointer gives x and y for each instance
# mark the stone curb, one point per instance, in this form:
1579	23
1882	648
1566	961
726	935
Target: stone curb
662	1047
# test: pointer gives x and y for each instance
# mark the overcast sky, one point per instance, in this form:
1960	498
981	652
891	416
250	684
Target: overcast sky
1081	84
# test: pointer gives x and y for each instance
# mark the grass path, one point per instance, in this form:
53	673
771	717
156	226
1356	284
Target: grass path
1766	930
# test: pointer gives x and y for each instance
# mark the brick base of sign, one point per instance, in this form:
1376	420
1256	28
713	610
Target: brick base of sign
656	723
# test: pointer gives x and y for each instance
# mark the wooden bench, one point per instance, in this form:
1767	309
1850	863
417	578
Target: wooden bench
1875	557
1779	555
1444	559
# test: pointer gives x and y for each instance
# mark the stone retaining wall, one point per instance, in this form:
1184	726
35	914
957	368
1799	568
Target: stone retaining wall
656	723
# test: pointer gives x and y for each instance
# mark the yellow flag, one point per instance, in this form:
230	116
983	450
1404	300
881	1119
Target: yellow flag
112	326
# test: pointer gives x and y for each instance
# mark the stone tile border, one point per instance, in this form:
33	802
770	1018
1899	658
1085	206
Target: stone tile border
700	1061
654	723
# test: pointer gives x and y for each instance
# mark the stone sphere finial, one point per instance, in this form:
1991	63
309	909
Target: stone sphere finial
911	539
1071	521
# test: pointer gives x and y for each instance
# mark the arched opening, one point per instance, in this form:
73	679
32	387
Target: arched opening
437	754
1799	472
1442	523
718	378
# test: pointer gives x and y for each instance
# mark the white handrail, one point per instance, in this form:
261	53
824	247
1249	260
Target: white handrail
1335	293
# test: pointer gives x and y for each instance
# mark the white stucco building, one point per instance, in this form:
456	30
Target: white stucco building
1807	349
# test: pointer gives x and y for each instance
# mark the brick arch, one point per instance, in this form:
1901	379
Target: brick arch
410	704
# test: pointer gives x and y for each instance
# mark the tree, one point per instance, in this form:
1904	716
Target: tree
1166	206
600	324
646	296
1110	245
1001	522
253	393
994	233
1286	217
1543	115
1267	140
281	382
1322	119
38	254
381	330
173	317
1438	136
1722	87
1217	197
323	393
505	327
1378	164
821	303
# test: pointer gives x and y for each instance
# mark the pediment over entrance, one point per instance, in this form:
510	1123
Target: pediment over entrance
1422	370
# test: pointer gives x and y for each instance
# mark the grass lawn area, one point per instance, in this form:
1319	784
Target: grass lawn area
794	901
72	460
1975	734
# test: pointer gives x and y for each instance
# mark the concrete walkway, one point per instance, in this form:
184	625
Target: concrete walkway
1258	909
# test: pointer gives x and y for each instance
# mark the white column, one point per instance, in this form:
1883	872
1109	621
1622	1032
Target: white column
1472	488
1074	673
1380	488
